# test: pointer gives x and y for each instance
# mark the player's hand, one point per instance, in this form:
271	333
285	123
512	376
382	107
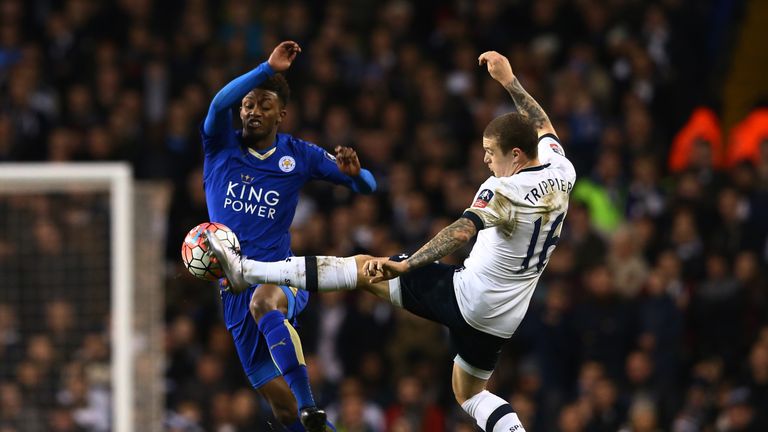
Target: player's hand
498	66
283	55
225	285
346	160
224	282
381	269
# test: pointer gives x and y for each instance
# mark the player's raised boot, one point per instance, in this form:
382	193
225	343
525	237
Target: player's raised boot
230	261
313	419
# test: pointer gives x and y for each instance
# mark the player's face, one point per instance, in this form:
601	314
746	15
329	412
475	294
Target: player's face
261	113
499	163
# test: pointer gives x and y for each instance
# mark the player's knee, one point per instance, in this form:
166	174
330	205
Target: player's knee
260	306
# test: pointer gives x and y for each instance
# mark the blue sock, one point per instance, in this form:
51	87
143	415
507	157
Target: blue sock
296	427
285	347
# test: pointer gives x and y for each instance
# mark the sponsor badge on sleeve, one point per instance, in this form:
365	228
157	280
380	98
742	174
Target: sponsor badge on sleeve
483	198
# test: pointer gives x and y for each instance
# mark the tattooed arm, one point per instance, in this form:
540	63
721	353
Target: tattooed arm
501	71
444	243
528	106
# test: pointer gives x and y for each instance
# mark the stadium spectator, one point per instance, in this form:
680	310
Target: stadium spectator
413	410
666	229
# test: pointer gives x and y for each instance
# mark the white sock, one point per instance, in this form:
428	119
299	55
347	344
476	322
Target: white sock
334	273
492	413
310	273
286	272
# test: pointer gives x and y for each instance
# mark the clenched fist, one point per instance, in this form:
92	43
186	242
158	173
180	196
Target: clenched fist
347	161
498	67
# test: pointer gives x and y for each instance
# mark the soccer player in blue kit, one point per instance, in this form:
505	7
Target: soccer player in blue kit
252	179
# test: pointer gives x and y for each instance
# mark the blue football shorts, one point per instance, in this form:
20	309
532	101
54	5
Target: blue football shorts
252	348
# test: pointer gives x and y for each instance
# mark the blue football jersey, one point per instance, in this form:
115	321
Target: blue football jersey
256	194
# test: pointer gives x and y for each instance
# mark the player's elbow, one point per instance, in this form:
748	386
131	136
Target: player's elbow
217	105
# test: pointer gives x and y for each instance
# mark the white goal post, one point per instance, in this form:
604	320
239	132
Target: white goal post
117	180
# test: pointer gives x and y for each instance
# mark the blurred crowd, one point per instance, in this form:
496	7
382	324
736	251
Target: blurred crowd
653	312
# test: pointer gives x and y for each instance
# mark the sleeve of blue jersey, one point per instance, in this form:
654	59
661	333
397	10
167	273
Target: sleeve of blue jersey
365	183
219	117
323	167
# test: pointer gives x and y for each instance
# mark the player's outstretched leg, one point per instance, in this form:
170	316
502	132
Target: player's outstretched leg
321	273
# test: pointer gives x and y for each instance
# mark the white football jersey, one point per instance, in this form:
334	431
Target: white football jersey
521	217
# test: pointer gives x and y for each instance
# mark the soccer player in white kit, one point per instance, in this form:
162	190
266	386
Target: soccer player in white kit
517	215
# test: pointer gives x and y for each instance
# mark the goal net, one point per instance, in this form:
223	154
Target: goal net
80	328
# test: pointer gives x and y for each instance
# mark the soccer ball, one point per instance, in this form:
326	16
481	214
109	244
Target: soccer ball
195	254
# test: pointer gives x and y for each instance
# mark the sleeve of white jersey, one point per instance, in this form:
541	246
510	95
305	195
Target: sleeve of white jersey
487	207
550	149
551	152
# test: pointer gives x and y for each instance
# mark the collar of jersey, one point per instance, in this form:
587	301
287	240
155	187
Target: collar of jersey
536	168
257	155
262	156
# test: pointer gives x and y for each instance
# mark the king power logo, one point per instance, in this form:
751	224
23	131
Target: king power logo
244	197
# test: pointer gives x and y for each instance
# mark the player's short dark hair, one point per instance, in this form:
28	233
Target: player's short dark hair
278	84
513	130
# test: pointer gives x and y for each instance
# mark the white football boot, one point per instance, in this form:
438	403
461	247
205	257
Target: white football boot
230	261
